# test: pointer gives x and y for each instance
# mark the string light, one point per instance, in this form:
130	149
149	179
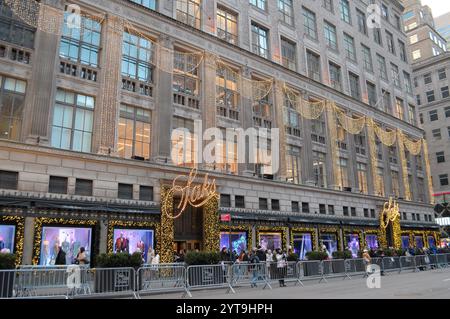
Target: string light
350	231
377	183
39	221
401	149
280	229
167	226
211	229
325	229
309	230
19	222
307	109
132	224
388	138
428	170
414	147
351	125
239	228
332	133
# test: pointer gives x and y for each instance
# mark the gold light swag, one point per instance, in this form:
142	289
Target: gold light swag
351	125
403	161
307	109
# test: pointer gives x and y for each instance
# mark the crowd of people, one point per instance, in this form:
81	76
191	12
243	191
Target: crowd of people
276	262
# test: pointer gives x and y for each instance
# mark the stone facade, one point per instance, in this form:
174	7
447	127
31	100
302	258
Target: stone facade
35	160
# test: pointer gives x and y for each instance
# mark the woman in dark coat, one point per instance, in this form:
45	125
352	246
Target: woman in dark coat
61	257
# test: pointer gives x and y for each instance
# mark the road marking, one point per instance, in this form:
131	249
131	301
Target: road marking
448	279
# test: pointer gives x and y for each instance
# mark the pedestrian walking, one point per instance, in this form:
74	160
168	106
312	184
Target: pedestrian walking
254	260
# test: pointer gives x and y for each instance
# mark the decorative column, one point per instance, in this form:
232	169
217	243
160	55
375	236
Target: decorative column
107	107
373	158
164	112
335	182
211	229
404	167
279	119
426	160
248	168
41	87
165	242
208	100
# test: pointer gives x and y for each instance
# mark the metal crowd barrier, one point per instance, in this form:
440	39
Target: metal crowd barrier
310	269
79	281
334	268
391	264
289	272
104	282
161	277
356	266
408	263
208	276
250	274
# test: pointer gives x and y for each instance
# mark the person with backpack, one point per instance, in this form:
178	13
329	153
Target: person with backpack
254	268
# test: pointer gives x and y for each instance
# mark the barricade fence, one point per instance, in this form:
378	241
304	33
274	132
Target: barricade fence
76	281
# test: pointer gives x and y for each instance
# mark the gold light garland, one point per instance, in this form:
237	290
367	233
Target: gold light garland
428	170
351	125
377	183
388	138
332	133
211	229
371	231
392	214
39	221
167	226
423	234
272	229
307	109
19	222
330	230
308	230
133	224
405	176
352	231
239	228
415	148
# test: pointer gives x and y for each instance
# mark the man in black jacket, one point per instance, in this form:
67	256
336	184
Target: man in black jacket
261	254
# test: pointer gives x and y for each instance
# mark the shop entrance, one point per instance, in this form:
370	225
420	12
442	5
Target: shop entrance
188	229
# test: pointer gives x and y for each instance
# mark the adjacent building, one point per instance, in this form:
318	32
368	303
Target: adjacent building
431	72
87	115
442	24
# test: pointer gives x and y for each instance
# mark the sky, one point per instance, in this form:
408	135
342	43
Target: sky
439	7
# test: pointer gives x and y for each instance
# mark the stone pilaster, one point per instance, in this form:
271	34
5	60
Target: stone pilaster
278	107
107	105
247	116
28	241
41	88
164	112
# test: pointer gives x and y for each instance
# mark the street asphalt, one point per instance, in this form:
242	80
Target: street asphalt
433	284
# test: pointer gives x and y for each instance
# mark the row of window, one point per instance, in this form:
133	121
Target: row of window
296	207
83	187
431	96
434	114
437	133
428	77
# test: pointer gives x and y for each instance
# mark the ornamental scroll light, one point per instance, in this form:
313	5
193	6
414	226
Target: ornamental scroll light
390	231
